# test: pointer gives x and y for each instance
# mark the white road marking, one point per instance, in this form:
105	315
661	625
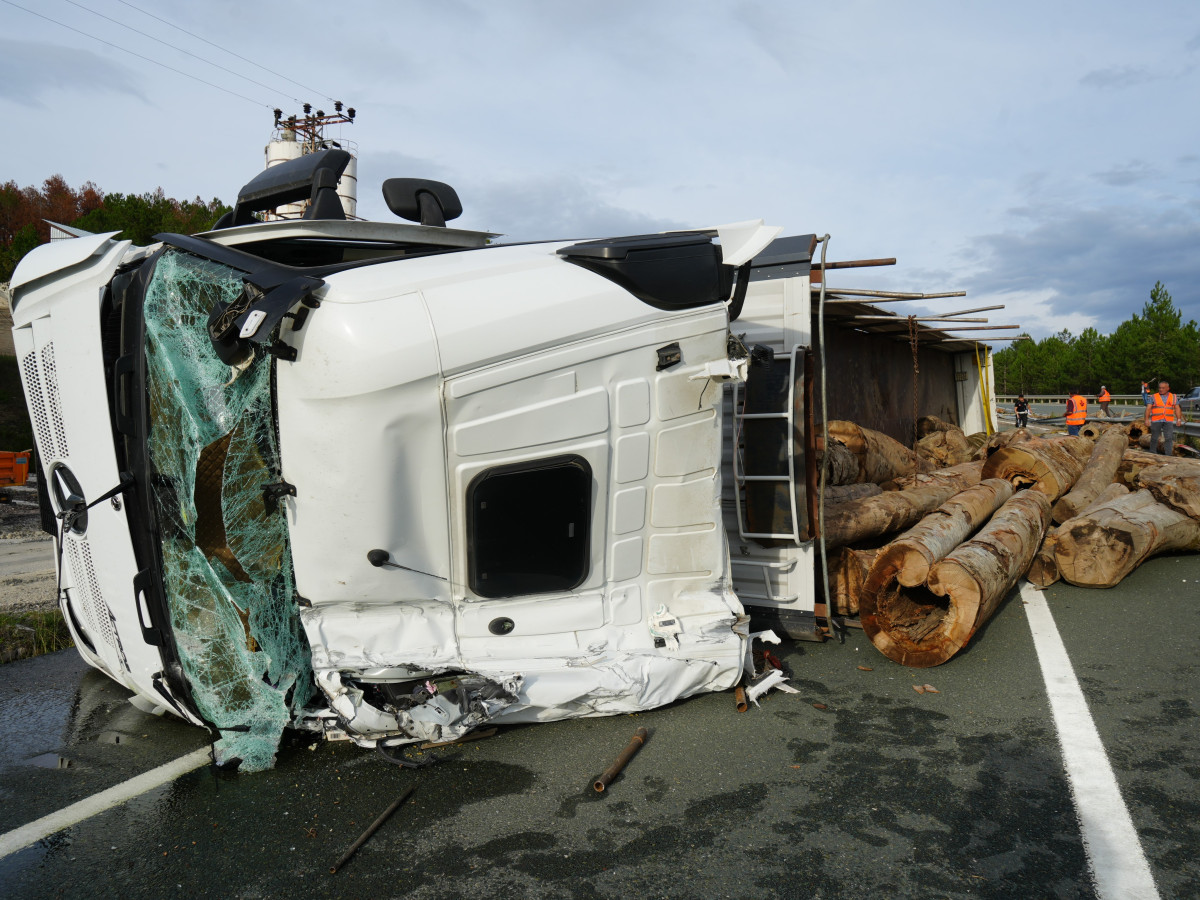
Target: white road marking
20	838
1114	852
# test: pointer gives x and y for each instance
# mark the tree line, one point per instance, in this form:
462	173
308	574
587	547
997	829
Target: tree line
24	211
1155	345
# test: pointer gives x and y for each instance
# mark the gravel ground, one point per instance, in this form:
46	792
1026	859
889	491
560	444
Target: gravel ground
19	524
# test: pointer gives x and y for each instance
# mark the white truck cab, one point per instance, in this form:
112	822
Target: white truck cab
388	481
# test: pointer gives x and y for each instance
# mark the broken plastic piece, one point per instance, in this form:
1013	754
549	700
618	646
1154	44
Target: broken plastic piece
774	678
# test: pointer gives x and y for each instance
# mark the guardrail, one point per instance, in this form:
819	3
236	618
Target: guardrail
1188	428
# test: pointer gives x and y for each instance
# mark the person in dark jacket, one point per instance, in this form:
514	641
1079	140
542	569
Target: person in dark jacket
1021	408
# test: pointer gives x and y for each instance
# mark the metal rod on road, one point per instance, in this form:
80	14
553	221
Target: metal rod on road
739	699
639	738
365	836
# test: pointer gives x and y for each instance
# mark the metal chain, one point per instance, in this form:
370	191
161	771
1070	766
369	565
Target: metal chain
912	342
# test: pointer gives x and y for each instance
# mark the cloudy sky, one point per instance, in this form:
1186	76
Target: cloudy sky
1041	155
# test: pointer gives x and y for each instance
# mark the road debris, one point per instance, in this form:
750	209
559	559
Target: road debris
365	836
635	744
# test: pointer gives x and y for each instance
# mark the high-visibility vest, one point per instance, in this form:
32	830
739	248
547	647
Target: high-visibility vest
1078	410
1161	411
1104	397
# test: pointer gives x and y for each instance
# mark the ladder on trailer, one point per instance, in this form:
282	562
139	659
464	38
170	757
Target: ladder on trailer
742	478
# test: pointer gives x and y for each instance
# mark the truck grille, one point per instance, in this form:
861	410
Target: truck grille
37	405
83	573
42	382
50	371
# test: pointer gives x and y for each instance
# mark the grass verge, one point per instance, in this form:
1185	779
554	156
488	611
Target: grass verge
26	634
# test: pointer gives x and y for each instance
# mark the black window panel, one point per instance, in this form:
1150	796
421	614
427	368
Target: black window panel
528	527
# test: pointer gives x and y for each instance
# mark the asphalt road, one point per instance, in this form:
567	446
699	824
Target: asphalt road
878	792
26	557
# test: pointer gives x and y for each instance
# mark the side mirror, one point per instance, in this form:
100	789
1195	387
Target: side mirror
421	200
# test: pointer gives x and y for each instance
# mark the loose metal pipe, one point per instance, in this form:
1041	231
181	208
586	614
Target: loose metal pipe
739	699
893	295
362	838
854	264
639	738
904	319
825	438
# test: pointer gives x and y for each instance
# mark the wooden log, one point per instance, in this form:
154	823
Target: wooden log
847	570
909	558
1134	462
1102	547
884	513
1174	486
841	493
1047	465
842	467
1134	430
1100	470
1093	430
1181	449
945	448
880	458
926	625
1002	439
963	476
929	424
1043	571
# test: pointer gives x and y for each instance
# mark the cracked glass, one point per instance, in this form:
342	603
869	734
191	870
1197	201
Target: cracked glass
227	568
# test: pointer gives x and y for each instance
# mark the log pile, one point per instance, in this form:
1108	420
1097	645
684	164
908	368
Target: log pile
957	538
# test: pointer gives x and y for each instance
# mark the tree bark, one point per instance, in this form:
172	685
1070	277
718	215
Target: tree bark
962	476
847	570
879	457
1002	439
926	625
843	493
1100	470
929	424
1043	571
883	513
946	448
843	467
1134	462
1175	487
1047	465
909	558
1099	549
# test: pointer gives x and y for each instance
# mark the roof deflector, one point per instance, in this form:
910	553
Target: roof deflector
421	200
312	177
666	271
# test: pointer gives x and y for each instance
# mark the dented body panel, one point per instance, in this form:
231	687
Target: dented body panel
469	486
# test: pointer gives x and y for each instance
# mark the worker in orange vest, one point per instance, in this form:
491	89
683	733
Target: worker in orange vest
1104	399
1146	393
1162	415
1076	412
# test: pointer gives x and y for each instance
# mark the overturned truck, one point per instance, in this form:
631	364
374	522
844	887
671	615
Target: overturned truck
391	481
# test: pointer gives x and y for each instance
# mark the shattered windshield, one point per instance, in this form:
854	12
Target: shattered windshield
227	568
